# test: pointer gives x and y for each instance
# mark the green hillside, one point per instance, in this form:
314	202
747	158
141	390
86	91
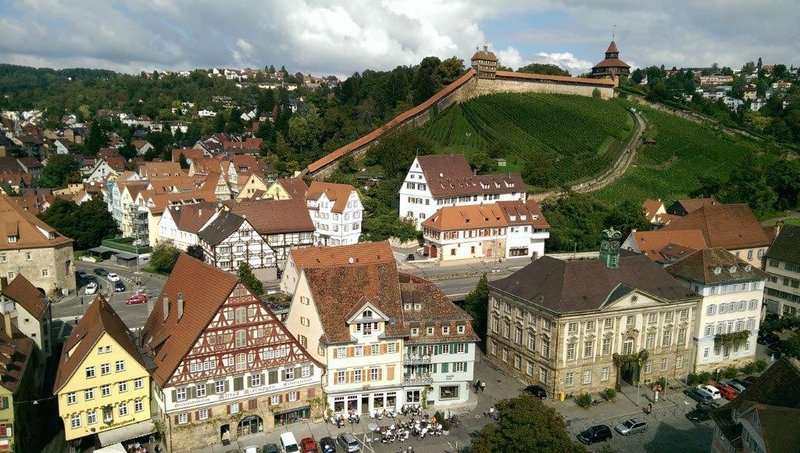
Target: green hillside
683	154
578	136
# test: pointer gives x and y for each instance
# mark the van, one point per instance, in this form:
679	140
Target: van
289	443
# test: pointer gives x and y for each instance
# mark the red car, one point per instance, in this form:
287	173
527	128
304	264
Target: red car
308	445
137	299
728	392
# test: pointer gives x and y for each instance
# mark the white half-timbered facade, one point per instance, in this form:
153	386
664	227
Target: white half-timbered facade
229	240
224	365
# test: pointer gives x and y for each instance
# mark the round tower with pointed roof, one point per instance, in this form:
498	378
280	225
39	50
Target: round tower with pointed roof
611	66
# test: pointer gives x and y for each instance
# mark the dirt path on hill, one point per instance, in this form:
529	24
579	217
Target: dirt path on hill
619	168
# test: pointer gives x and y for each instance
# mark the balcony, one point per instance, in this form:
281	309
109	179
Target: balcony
416	359
420	379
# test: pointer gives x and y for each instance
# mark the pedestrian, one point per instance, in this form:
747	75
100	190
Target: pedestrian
491	412
483	386
81	300
486	413
477	385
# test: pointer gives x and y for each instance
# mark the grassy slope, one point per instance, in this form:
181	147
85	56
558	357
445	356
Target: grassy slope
580	136
684	151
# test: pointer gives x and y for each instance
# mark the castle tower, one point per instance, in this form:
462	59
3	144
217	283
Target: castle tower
609	248
611	66
484	63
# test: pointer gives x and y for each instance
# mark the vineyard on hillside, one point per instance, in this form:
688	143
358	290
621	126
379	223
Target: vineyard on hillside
684	152
578	136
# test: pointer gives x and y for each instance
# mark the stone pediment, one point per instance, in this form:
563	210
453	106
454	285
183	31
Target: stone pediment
624	297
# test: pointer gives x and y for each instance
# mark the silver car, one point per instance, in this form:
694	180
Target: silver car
631	426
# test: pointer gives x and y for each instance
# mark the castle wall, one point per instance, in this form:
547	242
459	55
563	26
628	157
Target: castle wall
489	86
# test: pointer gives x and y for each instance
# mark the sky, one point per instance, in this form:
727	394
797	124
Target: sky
340	38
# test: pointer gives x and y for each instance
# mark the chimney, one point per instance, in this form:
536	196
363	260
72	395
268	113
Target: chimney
165	308
180	306
7	324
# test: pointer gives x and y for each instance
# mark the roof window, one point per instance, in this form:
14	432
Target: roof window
717	270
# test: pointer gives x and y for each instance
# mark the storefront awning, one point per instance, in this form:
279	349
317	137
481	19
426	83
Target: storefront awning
126	433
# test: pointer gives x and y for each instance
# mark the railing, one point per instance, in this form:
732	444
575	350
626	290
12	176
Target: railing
410	360
417	380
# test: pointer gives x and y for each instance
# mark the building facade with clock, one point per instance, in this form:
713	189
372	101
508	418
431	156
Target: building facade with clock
586	325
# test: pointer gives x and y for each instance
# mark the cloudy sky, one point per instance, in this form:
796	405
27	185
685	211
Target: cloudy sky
324	37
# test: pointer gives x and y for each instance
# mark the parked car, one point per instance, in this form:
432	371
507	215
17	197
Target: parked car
631	426
410	257
739	387
289	443
100	272
250	449
81	275
271	448
697	395
728	392
328	445
744	382
119	287
597	433
308	445
536	391
711	390
698	415
136	299
112	276
348	442
91	288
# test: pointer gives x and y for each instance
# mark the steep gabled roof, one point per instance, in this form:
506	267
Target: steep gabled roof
22	291
701	266
225	224
652	243
360	253
192	217
27	229
732	226
786	246
15	355
295	187
337	193
575	286
275	216
436	308
339	290
99	319
204	289
451	175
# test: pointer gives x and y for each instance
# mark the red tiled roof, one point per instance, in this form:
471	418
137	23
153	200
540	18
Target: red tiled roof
204	289
701	267
361	253
192	217
612	48
399	119
611	63
99	319
28	296
436	310
651	243
275	216
295	187
650	207
732	226
523	213
484	55
337	193
188	153
450	175
551	78
30	232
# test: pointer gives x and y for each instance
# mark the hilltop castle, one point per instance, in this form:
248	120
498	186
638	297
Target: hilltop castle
611	66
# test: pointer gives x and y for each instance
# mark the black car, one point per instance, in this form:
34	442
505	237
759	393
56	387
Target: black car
537	391
119	287
411	257
598	433
328	445
700	397
699	415
101	272
743	382
81	275
271	448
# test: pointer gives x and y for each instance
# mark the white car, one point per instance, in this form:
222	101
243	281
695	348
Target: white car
90	289
112	276
710	390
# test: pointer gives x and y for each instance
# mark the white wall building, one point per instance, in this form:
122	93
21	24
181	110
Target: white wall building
180	224
336	211
228	240
782	263
447	180
730	311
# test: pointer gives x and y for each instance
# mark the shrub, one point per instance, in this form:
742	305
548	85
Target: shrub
692	379
662	382
609	394
703	377
761	365
749	368
583	400
730	372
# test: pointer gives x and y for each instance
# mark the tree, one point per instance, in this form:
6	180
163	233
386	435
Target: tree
425	84
575	223
784	178
482	163
247	277
748	184
87	224
95	140
163	257
544	68
477	305
195	251
526	424
538	172
449	70
60	169
183	162
627	216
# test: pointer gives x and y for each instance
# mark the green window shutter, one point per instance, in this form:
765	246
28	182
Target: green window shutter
298	371
437	349
311	367
238	383
174	396
227	385
445	367
273	377
210	389
192	393
262	378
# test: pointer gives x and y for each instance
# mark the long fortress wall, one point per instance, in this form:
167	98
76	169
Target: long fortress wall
466	87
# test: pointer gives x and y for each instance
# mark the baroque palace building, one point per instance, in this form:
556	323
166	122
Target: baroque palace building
583	326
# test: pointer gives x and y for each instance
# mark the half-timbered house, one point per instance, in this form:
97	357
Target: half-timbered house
228	240
224	366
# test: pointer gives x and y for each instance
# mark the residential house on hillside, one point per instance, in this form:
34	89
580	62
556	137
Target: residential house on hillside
224	366
729	313
30	312
159	170
356	318
32	248
763	418
664	246
653	210
228	240
361	253
284	224
689	205
102	383
336	211
286	188
436	181
732	226
560	324
498	230
99	172
189	153
253	189
782	263
18	386
179	224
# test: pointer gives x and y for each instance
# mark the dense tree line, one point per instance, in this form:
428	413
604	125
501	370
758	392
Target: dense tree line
88	223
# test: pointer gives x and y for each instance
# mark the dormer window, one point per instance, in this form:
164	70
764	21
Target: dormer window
367	314
446	330
717	270
12	239
417	307
732	269
407	307
429	331
748	268
460	329
414	331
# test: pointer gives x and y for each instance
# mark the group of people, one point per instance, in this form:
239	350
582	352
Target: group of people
479	385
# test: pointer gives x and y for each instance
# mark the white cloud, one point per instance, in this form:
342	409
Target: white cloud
564	60
511	58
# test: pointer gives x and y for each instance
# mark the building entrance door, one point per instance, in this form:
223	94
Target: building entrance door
365	404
